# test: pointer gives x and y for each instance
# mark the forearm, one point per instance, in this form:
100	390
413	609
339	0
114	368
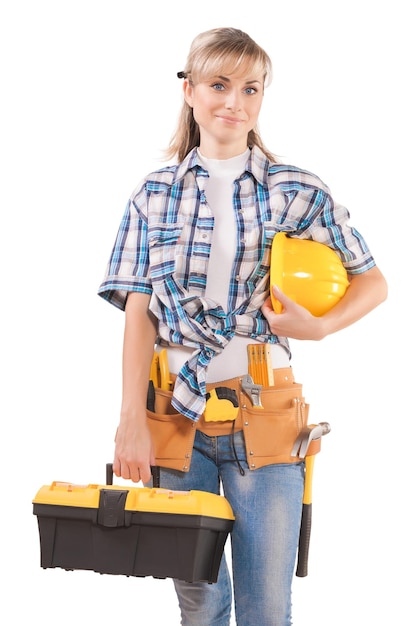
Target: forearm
134	450
138	346
366	291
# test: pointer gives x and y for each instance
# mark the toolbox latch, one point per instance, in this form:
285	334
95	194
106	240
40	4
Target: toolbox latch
111	508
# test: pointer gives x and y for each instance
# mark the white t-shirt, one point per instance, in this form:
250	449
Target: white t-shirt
233	360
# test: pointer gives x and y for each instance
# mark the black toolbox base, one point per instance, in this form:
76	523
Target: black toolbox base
187	547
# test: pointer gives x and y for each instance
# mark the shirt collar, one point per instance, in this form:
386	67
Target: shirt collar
257	164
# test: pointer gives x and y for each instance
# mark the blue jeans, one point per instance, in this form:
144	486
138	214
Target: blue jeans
267	504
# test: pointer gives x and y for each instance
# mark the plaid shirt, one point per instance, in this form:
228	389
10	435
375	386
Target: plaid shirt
163	249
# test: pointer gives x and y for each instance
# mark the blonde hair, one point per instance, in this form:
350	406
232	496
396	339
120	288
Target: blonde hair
215	52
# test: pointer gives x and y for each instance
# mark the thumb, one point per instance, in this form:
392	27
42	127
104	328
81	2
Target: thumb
281	297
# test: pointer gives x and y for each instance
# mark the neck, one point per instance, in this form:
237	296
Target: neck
215	150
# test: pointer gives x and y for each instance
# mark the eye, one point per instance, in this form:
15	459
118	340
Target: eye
250	90
218	86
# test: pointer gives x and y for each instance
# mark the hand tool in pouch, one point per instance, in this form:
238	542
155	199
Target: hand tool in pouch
260	364
252	390
159	373
307	435
222	404
159	377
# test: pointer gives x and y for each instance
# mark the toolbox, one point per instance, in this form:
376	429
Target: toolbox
134	531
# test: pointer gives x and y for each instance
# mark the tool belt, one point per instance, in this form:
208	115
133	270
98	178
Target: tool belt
269	430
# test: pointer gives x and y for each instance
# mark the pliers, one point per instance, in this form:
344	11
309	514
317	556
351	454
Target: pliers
159	374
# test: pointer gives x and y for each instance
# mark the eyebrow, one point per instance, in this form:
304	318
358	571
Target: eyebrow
248	82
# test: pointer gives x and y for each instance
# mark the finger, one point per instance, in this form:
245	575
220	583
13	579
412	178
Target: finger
116	467
125	471
278	294
267	307
286	301
134	473
145	474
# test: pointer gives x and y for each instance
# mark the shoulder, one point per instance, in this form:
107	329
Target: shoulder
293	178
157	180
164	178
286	177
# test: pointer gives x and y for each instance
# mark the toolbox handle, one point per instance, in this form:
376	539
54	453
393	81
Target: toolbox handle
154	469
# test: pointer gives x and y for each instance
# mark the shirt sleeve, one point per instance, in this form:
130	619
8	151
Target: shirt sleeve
331	227
128	267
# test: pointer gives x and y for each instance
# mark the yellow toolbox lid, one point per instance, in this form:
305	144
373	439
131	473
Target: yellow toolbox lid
144	499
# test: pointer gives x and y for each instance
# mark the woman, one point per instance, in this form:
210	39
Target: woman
190	267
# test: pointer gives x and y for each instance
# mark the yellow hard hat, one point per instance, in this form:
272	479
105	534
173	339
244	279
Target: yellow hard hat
308	272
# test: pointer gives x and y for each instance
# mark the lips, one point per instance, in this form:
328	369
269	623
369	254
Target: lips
231	120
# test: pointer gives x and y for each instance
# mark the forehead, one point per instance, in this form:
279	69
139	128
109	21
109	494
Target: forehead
243	69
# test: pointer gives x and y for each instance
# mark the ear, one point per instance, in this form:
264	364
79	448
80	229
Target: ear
188	92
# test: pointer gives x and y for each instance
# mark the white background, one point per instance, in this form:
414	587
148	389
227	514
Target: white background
89	99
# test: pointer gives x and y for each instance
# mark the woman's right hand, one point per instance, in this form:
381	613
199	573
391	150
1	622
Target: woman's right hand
133	455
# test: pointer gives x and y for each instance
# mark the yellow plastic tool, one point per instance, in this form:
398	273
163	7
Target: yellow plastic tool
159	373
308	479
221	405
260	364
154	374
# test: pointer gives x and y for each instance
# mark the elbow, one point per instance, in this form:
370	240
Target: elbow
382	290
373	287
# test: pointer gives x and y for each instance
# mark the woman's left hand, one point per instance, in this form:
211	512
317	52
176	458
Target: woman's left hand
365	292
295	321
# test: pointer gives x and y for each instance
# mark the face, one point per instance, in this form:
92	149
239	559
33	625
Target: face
226	108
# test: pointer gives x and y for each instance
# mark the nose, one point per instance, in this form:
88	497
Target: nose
233	100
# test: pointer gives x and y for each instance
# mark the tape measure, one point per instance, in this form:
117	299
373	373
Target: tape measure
221	405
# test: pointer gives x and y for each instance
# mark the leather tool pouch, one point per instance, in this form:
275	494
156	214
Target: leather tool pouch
172	433
270	432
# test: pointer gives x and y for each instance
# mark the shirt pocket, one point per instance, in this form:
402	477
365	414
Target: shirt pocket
165	251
